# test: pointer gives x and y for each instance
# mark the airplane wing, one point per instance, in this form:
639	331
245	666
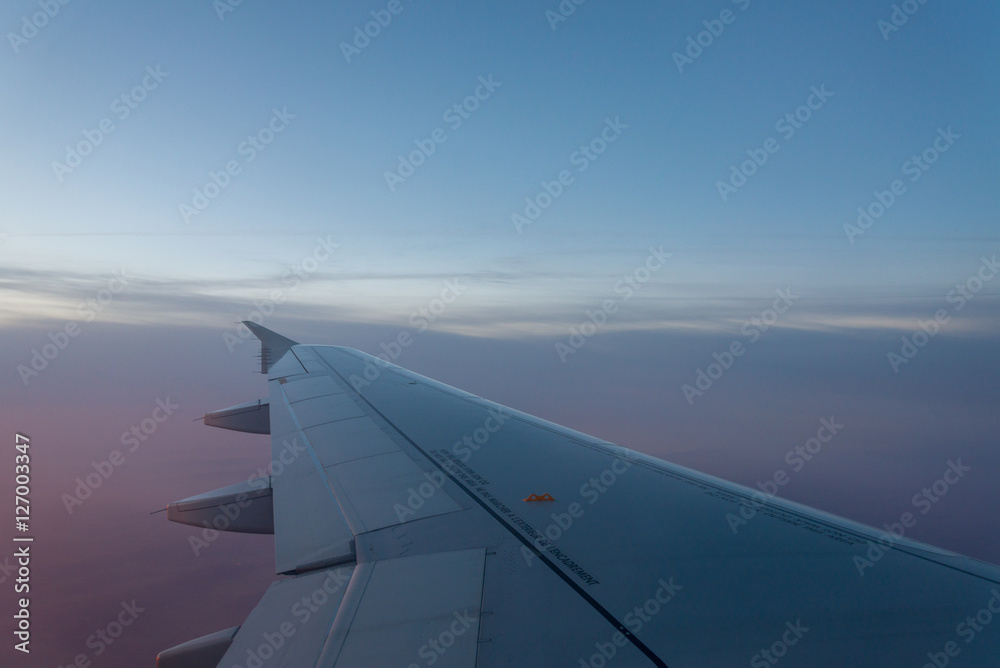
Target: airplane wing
419	525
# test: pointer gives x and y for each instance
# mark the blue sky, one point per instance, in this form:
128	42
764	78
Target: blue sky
311	233
656	184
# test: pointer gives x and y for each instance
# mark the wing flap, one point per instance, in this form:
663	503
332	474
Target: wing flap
309	527
335	472
419	610
291	623
390	489
327	408
347	440
304	389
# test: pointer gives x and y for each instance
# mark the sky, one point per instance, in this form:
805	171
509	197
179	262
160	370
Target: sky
575	213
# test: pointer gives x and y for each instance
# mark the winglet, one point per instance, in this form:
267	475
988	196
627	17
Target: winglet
272	345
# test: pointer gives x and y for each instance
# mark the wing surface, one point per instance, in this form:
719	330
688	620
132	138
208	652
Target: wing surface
458	532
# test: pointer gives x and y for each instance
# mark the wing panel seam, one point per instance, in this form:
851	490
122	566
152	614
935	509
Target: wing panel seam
604	612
